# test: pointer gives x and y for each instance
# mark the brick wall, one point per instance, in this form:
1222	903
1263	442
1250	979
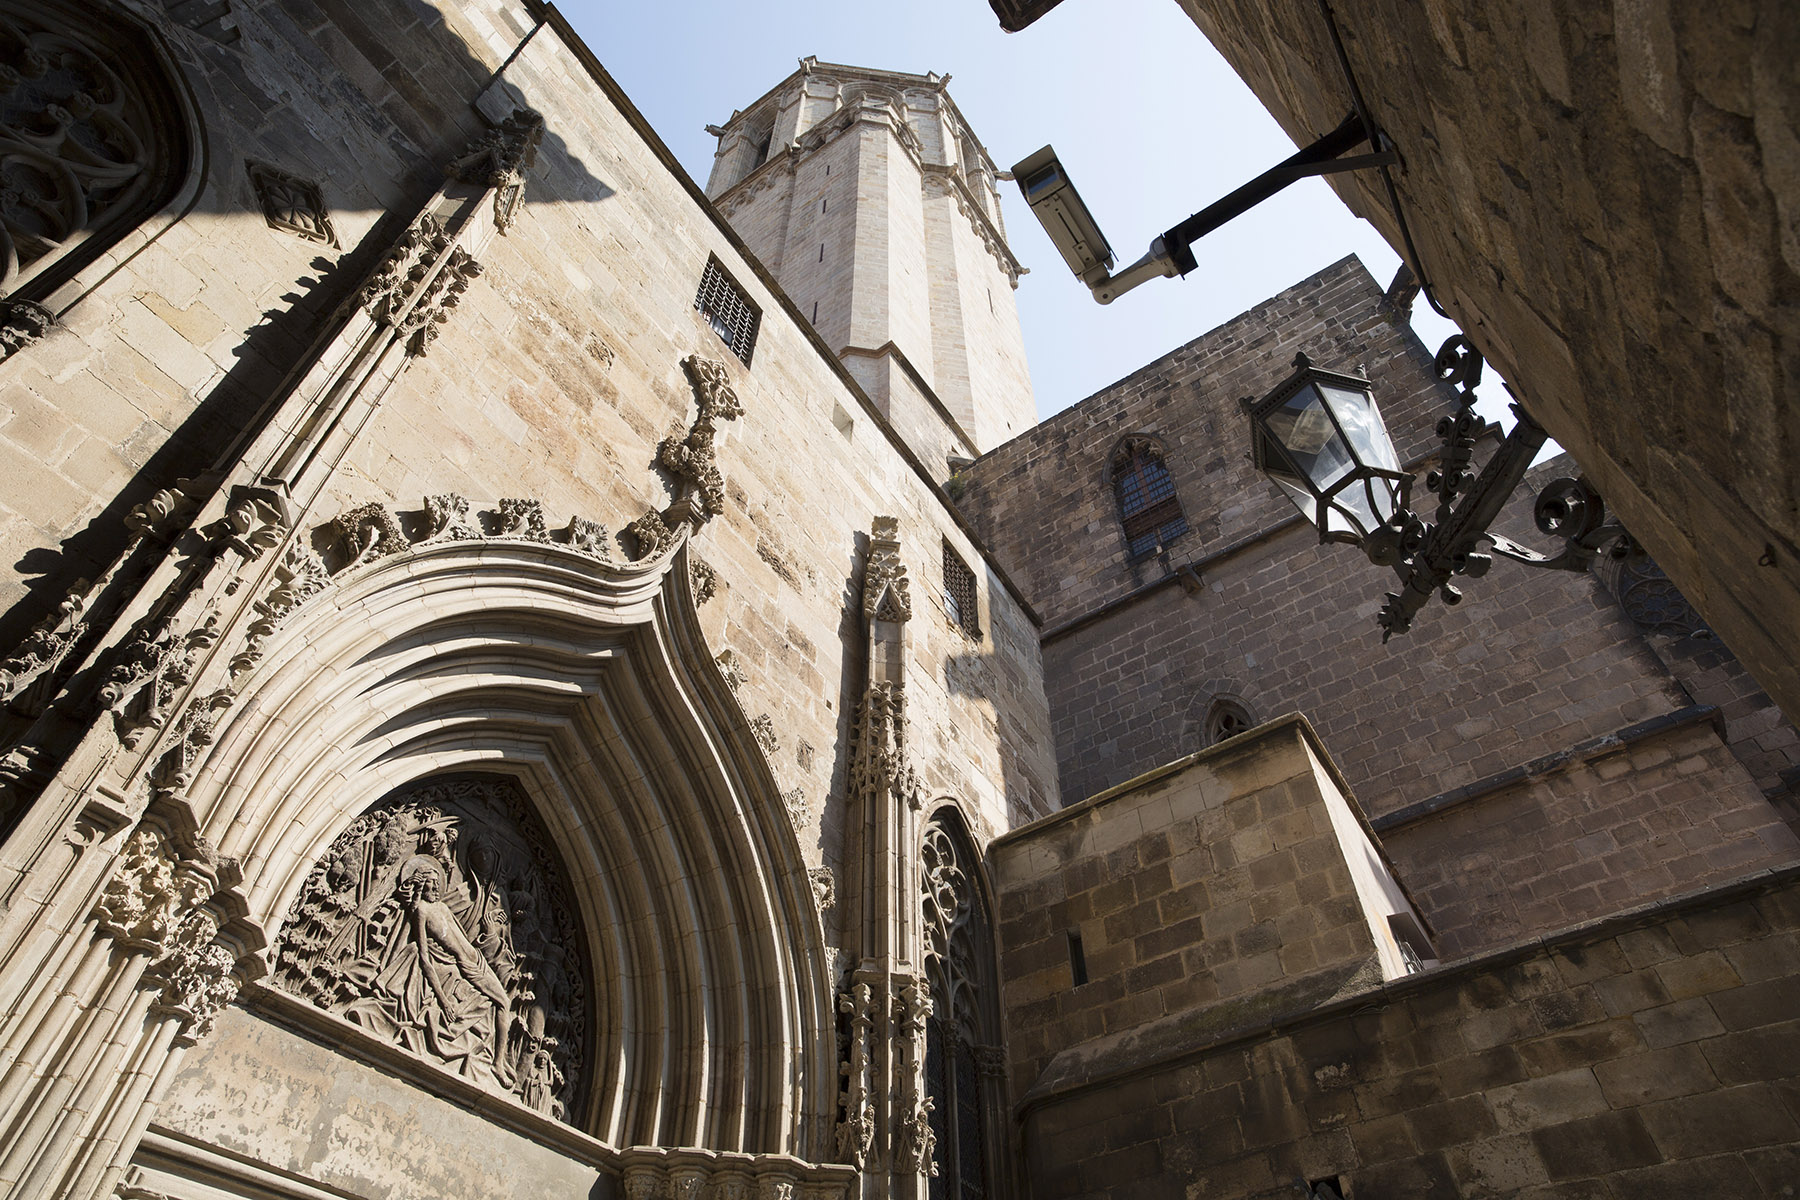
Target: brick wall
1653	1055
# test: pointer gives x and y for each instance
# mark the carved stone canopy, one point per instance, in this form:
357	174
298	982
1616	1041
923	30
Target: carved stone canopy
441	920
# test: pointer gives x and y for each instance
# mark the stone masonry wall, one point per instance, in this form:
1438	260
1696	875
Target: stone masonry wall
1606	195
1044	500
1218	885
1616	824
1649	1056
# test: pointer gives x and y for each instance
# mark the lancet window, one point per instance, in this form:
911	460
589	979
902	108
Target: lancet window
1148	507
91	139
963	1062
441	920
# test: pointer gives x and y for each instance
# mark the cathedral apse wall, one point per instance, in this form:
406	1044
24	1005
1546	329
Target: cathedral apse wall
1516	753
492	454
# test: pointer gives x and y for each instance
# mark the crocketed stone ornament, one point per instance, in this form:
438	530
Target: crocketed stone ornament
441	920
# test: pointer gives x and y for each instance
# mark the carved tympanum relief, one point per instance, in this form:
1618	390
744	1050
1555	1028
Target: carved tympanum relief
442	921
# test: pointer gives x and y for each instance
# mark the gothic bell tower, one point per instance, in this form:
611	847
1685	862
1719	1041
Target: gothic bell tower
877	208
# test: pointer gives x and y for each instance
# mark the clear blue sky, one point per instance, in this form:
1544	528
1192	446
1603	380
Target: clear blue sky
1149	122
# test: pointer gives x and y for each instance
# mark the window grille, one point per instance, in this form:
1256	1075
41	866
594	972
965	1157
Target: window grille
732	317
1148	507
959	593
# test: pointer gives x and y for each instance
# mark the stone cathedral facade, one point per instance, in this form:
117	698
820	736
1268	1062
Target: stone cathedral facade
530	678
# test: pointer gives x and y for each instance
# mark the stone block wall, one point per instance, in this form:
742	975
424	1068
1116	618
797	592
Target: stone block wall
1606	195
1607	824
1651	1055
1045	502
1231	883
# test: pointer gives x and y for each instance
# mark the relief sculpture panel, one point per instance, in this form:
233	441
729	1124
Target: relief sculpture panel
441	920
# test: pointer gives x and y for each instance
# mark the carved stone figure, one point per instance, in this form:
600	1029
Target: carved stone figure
440	920
762	728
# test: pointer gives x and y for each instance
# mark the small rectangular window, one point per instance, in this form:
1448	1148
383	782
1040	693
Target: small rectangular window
725	308
959	593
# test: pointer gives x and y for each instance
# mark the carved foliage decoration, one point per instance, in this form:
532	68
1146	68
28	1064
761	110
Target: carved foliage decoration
36	659
82	142
420	283
692	458
152	905
881	761
856	1131
500	159
150	893
885	594
651	534
441	920
197	977
291	204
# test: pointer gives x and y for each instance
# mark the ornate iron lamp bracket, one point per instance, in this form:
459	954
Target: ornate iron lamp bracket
1426	555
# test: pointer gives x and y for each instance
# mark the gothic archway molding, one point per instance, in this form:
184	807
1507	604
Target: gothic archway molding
591	686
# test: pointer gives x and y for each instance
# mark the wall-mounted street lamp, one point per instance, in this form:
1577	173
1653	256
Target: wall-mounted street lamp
1320	438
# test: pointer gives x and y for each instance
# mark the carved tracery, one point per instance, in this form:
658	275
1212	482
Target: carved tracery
441	920
962	1091
89	138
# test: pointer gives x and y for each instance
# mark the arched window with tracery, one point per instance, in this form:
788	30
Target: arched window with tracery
94	138
1148	506
964	1064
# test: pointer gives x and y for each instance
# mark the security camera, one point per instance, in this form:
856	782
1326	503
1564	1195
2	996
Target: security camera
1077	235
1065	218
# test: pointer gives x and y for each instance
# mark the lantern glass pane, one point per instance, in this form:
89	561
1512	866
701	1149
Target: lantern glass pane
1311	439
1359	509
1362	424
1294	488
